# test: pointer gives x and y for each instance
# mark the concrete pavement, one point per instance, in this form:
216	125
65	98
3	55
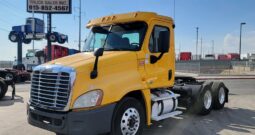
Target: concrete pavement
237	118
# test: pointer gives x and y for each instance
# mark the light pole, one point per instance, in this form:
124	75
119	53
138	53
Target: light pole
201	53
197	44
79	45
240	44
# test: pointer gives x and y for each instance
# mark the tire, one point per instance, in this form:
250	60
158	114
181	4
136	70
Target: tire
3	89
13	36
129	117
27	41
52	37
219	95
61	41
205	101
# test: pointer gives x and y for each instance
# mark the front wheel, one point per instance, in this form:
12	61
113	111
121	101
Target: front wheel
13	36
129	118
3	89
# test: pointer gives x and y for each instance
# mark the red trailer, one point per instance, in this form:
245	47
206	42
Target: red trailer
57	51
233	56
223	57
185	56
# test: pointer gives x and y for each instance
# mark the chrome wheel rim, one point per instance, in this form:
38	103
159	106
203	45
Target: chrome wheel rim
130	122
221	95
207	99
52	38
13	37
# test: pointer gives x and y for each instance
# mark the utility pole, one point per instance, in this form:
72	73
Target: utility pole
201	53
33	33
49	32
197	43
240	43
79	45
212	46
174	9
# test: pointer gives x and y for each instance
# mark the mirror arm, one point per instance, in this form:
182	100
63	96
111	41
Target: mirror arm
94	73
160	56
157	58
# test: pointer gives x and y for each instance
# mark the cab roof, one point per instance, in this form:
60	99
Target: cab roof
128	17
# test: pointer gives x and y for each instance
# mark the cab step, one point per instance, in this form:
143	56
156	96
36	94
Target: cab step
168	115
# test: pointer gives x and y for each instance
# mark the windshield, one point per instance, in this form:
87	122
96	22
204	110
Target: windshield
119	37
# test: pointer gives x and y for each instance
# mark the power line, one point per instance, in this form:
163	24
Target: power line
3	29
12	5
10	8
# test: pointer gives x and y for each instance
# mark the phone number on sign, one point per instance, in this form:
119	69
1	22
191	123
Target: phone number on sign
48	8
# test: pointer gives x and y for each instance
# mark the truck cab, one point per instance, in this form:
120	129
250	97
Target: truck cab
123	80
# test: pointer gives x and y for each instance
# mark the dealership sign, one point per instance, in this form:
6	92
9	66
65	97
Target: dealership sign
49	6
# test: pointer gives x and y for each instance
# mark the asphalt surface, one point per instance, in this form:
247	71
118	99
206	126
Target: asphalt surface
237	118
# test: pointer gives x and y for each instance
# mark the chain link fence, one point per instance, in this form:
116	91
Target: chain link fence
216	67
6	64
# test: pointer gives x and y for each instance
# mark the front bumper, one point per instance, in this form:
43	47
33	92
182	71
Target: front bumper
90	122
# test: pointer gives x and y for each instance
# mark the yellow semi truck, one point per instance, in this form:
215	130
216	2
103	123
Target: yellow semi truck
122	81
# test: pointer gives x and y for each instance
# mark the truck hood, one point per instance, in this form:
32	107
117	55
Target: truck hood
70	60
87	59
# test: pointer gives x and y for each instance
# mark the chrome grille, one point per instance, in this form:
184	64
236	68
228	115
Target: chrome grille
50	89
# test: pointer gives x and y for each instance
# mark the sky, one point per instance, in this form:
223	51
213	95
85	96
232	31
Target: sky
218	21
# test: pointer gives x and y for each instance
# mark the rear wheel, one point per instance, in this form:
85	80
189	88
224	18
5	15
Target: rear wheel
219	95
27	41
129	118
204	104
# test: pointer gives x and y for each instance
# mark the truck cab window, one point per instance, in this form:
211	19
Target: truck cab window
117	37
154	45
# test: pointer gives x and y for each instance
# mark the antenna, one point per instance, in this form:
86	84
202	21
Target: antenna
174	9
79	27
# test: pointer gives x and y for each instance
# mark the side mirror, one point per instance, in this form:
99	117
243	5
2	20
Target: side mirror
164	41
99	52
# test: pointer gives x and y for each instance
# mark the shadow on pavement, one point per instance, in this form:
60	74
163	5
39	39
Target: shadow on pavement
22	83
234	120
7	100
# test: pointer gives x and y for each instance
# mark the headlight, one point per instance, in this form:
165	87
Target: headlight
9	77
90	99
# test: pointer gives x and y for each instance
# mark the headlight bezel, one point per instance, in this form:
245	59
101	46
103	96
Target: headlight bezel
86	100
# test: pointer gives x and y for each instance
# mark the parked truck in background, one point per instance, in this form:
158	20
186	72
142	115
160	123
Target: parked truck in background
122	81
36	57
34	30
6	79
209	57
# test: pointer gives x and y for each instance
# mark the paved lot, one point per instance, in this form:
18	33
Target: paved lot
237	118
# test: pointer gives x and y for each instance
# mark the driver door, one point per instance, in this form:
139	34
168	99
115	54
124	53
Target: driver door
160	63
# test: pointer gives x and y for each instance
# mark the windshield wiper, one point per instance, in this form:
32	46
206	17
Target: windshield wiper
118	49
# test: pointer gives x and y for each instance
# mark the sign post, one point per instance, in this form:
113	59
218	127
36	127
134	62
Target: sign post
49	7
49	57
